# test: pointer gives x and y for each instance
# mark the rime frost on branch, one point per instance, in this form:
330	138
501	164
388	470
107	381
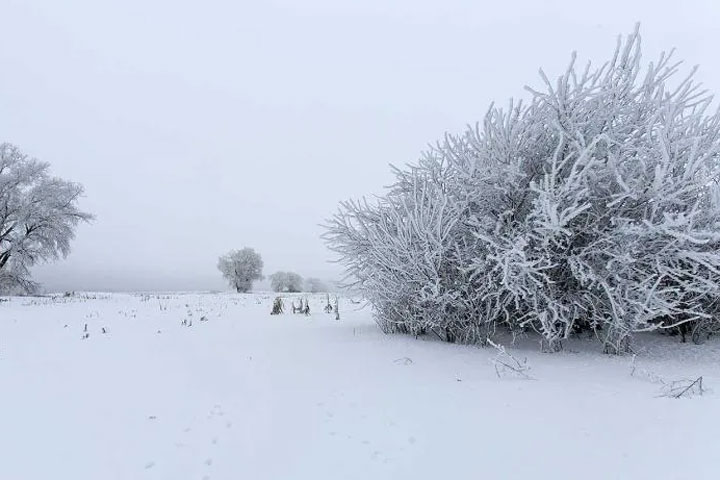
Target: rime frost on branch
594	206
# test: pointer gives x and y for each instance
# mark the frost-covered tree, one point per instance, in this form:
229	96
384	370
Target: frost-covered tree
315	285
241	268
594	206
38	217
286	282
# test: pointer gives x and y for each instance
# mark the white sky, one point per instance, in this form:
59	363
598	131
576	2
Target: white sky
198	127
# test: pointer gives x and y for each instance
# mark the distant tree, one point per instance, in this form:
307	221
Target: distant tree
241	268
38	216
286	282
315	285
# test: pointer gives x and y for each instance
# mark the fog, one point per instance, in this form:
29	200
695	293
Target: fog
199	127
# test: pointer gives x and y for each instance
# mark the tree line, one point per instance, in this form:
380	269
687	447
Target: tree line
241	268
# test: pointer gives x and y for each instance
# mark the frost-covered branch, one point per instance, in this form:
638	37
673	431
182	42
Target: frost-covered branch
505	363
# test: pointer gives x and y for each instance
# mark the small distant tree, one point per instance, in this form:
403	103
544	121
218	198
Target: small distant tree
241	268
286	282
315	285
278	281
38	216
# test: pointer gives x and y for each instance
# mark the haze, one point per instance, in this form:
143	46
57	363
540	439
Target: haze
199	127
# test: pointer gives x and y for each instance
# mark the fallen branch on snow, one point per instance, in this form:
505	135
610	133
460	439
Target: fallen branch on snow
683	388
670	389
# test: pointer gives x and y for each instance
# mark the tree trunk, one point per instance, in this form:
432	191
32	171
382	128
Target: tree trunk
4	257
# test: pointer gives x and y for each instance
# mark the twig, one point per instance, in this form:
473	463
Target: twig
505	362
682	388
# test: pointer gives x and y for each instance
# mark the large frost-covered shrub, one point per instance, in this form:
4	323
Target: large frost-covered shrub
594	206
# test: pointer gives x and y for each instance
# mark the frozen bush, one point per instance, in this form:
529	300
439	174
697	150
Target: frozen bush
594	206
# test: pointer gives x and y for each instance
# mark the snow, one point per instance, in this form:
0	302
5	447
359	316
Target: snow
250	395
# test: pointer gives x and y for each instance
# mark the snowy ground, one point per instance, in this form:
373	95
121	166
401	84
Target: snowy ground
246	395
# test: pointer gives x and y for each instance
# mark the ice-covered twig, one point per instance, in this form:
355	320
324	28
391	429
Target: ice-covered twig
506	363
636	371
684	388
669	388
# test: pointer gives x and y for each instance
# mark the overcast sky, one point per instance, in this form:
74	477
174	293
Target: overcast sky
199	127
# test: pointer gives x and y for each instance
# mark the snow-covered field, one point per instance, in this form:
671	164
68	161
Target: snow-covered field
247	395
